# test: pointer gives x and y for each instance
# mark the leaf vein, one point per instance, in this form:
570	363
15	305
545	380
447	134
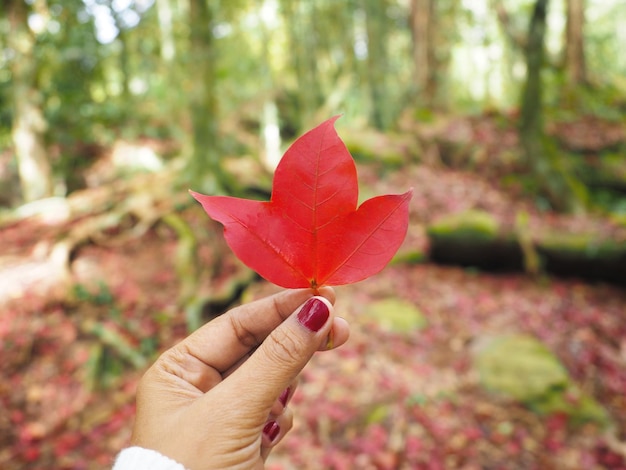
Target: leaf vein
363	242
268	245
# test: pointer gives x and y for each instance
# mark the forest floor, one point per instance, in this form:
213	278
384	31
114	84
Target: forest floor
388	399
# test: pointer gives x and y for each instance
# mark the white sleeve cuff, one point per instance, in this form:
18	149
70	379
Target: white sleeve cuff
138	458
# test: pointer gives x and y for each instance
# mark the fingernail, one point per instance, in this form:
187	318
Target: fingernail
271	430
313	314
284	396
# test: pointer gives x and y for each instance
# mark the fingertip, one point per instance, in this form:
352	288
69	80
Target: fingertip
339	334
314	314
328	293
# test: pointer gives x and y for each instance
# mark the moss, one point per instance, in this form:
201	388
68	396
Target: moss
522	368
572	402
391	150
413	256
619	219
396	315
581	245
472	224
473	238
604	171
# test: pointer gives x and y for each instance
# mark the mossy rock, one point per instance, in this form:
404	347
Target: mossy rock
472	224
572	402
390	149
409	256
473	238
521	368
396	315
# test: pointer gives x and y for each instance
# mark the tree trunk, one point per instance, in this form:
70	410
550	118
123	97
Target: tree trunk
575	67
165	16
515	37
302	38
421	15
205	164
431	23
270	128
531	107
29	123
542	157
380	114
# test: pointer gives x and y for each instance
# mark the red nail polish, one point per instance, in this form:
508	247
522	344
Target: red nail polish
271	430
313	314
284	396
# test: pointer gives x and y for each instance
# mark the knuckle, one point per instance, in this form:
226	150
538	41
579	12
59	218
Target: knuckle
173	362
244	335
283	348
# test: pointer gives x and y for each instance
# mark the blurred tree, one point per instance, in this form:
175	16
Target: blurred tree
205	166
301	19
513	35
270	129
575	66
432	24
176	68
555	180
421	18
29	124
531	106
165	12
377	63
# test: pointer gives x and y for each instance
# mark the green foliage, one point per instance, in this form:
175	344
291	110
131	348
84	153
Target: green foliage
112	353
605	175
310	58
102	297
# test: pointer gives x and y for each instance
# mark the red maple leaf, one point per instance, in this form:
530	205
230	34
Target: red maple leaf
311	233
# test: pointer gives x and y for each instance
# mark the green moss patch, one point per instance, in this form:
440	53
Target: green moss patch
581	245
473	238
521	368
371	146
472	224
396	315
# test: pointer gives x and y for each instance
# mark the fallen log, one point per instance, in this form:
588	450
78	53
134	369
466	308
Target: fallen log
476	239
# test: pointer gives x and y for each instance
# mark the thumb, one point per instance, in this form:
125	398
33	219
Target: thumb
281	357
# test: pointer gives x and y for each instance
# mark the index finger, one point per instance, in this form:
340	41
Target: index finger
222	342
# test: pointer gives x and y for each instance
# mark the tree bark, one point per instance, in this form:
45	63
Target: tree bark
532	95
421	20
205	167
515	37
562	190
431	23
575	66
303	45
29	124
380	114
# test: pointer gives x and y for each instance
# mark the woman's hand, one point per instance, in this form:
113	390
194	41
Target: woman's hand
218	399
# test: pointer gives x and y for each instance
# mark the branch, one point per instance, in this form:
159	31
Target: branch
516	38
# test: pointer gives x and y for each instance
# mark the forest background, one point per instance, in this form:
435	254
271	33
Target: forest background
496	337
